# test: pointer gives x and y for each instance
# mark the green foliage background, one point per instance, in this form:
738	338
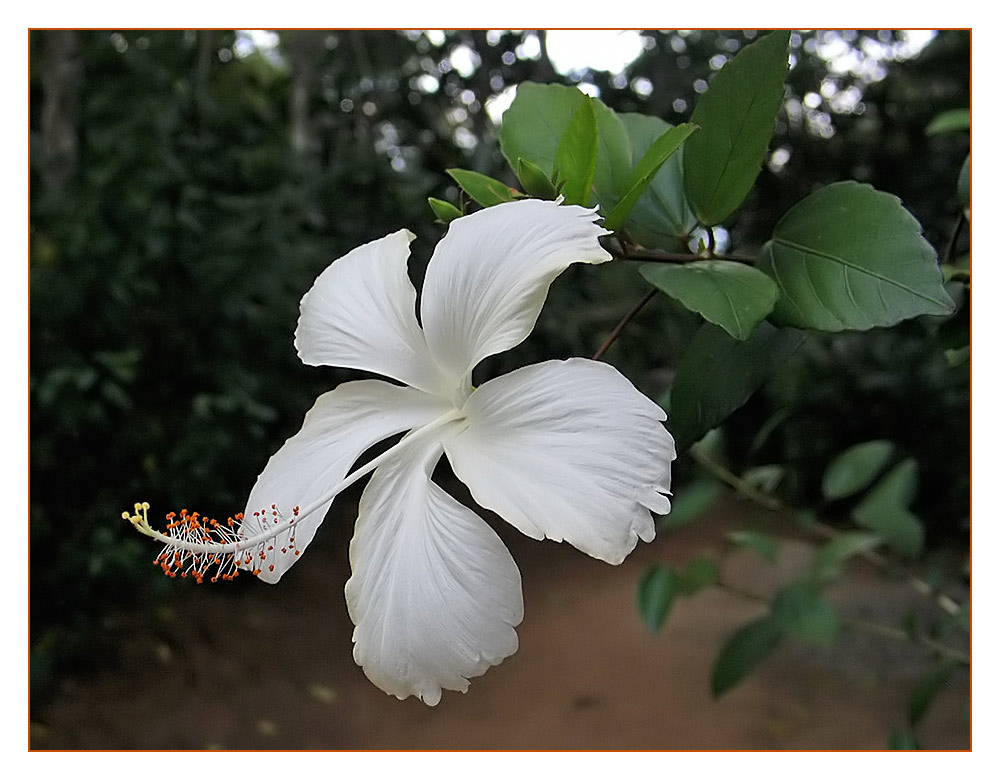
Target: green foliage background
186	191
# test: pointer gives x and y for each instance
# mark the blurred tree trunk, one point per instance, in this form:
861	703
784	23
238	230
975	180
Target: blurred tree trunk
305	50
61	72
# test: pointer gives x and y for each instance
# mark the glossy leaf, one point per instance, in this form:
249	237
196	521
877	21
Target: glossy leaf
657	590
536	121
857	467
662	217
764	545
717	374
804	613
736	115
746	648
851	257
885	510
734	296
444	210
534	180
576	155
484	190
661	150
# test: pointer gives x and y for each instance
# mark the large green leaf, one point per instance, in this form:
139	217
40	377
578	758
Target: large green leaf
857	467
536	122
576	155
734	296
885	510
718	373
736	115
662	149
747	647
851	257
662	217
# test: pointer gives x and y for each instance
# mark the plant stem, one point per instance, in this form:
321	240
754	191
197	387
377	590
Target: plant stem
828	532
623	323
885	631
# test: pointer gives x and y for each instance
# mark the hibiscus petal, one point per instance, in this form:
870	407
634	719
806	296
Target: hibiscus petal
361	313
337	430
434	594
487	279
567	450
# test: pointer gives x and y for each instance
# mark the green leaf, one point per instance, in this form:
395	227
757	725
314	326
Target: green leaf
964	616
736	115
829	559
766	478
734	296
850	257
761	543
662	217
747	647
925	691
885	510
648	167
804	613
857	467
534	180
484	190
957	356
540	115
951	120
690	503
960	268
657	590
717	374
698	574
576	155
443	210
965	182
901	739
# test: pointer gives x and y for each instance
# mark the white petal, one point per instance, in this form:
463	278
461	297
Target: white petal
340	426
361	313
488	278
434	593
569	451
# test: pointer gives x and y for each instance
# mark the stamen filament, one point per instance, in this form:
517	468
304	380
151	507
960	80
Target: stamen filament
193	542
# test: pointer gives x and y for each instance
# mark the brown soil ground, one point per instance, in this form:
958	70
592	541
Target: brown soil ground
249	666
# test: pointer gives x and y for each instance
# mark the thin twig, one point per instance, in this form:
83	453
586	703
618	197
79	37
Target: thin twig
828	532
877	629
623	323
949	253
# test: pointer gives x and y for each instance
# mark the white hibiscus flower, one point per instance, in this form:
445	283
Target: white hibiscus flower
565	450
